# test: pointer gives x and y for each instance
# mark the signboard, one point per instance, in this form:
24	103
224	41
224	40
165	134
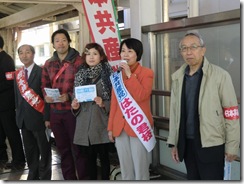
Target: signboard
103	27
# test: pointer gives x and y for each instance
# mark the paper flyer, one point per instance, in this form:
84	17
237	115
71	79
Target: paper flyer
85	93
54	93
227	170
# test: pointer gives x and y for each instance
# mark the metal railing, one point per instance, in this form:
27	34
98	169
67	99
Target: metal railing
161	122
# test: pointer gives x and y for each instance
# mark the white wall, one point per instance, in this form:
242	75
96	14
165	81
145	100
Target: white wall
151	10
215	6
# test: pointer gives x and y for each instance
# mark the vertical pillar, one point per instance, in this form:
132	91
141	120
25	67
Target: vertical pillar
127	18
141	13
135	18
165	10
84	34
193	8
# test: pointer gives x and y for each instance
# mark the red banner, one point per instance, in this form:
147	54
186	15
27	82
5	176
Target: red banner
103	27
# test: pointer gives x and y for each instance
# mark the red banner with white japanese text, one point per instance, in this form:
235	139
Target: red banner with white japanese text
103	27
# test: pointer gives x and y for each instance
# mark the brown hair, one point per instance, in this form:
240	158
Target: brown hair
98	48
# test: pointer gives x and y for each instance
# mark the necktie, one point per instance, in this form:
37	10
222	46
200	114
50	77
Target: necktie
26	74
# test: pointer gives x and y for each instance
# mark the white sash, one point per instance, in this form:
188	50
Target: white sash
133	113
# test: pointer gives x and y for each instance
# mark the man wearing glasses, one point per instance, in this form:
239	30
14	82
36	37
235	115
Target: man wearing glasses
204	128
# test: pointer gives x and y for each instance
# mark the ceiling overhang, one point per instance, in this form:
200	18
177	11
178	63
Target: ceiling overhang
42	1
29	13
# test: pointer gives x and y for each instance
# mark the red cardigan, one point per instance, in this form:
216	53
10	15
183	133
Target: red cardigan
139	86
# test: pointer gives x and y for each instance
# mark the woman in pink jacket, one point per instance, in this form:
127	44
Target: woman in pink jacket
138	80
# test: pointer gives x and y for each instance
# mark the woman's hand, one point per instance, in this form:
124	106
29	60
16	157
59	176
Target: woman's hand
126	68
110	136
99	101
75	104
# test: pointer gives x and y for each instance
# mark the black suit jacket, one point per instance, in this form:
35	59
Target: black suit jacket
6	86
26	116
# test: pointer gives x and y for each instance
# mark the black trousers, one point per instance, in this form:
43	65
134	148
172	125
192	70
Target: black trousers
9	129
199	170
93	152
38	154
3	145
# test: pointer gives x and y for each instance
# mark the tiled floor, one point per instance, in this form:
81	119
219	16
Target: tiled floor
8	175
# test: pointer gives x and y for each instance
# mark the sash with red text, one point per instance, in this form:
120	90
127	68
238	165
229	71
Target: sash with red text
27	93
103	27
133	113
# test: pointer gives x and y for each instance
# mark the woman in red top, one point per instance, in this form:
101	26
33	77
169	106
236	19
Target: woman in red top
138	80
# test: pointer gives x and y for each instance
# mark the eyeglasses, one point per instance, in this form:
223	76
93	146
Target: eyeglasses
192	48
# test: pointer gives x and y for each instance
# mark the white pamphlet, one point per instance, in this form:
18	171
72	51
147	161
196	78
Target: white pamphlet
53	93
227	170
85	93
48	132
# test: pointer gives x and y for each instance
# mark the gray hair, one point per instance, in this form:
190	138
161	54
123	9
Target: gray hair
194	33
31	48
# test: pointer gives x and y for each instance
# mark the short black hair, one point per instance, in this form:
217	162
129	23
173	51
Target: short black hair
134	44
61	31
1	42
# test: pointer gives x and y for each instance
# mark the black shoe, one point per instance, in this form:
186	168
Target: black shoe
3	161
15	166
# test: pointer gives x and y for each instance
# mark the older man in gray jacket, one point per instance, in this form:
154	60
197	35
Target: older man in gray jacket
204	118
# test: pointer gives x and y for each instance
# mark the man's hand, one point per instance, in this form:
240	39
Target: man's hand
47	124
64	97
48	99
230	157
174	154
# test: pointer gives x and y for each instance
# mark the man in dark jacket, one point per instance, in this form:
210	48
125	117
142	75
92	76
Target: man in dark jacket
29	115
8	128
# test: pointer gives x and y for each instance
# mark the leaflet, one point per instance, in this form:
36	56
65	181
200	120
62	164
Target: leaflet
85	93
227	170
48	133
53	93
